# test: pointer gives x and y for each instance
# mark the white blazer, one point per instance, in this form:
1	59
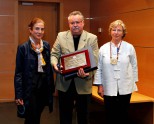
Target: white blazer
121	77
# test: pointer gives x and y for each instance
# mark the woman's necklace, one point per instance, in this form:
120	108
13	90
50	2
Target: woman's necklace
114	61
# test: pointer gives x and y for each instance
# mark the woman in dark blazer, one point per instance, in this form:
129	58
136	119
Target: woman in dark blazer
33	79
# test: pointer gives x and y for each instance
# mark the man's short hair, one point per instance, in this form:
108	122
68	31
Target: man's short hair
76	13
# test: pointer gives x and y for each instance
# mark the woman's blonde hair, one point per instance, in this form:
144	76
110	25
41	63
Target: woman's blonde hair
115	24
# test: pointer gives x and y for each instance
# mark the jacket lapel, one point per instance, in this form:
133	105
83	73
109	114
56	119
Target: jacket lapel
70	43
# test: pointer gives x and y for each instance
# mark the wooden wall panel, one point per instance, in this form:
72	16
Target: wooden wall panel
139	31
79	5
6	7
111	7
6	26
145	58
139	23
7	55
7	51
7	87
138	17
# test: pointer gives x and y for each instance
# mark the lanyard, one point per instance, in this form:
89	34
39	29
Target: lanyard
118	49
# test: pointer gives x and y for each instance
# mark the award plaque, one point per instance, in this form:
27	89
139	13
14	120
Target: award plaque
83	58
73	61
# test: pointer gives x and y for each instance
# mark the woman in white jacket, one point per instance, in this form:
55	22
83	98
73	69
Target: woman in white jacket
117	74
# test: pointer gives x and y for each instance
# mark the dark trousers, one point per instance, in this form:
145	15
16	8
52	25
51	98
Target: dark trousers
34	110
37	101
70	99
116	109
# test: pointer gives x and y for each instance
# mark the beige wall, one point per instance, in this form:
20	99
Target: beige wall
139	19
9	37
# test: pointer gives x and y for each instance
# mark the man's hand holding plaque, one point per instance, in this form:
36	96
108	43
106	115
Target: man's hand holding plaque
59	68
77	63
81	73
73	61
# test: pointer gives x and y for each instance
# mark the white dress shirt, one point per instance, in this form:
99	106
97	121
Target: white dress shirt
121	77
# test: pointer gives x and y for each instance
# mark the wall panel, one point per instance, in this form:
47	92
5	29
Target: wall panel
7	55
7	26
111	7
139	31
6	87
6	7
145	58
79	5
8	46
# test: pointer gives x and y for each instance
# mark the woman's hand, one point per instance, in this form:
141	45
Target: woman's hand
19	102
100	91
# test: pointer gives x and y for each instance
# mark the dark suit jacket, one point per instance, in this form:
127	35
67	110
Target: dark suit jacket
26	68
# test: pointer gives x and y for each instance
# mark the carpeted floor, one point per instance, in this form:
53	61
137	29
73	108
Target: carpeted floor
8	114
